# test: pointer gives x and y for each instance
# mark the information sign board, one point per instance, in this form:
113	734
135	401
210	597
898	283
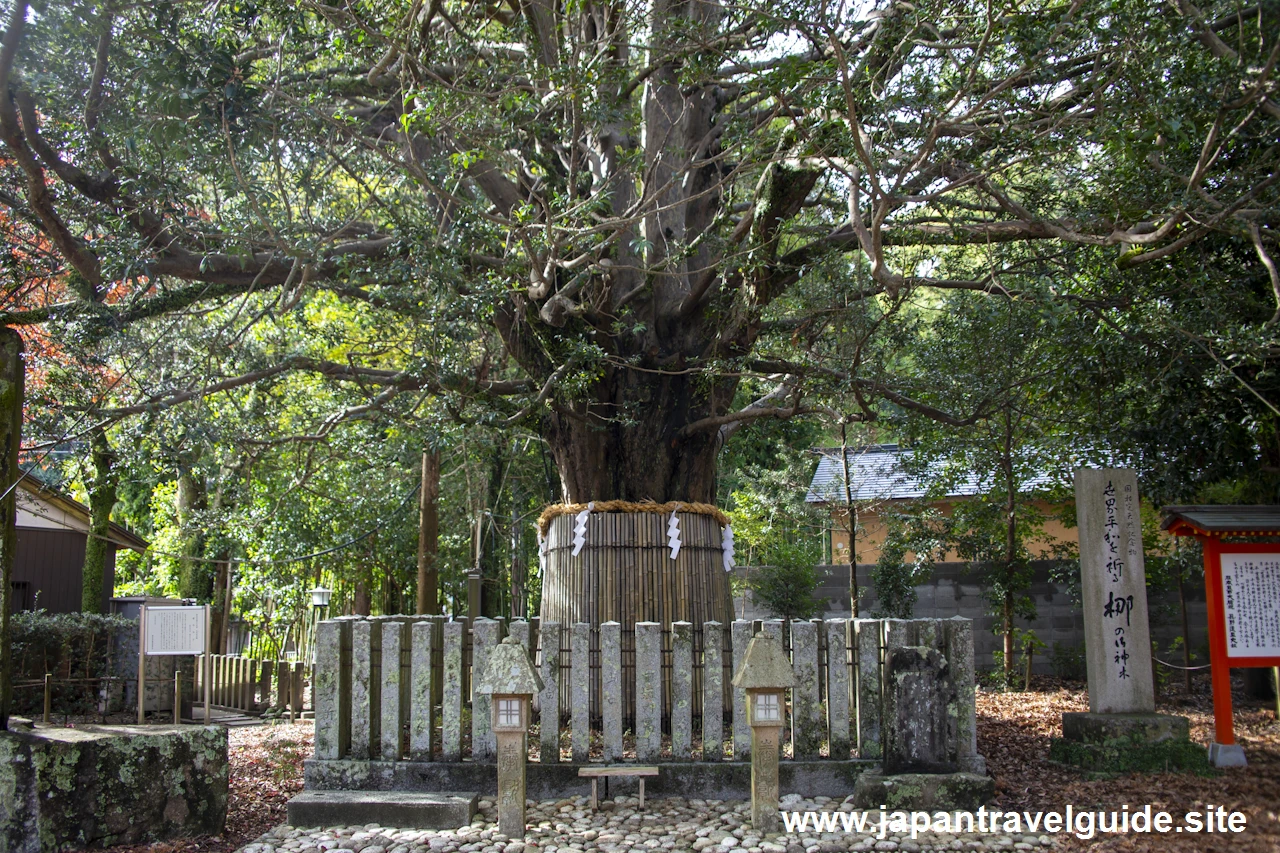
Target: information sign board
1251	604
175	631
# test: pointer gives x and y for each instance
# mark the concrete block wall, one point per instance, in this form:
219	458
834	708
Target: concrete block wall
954	590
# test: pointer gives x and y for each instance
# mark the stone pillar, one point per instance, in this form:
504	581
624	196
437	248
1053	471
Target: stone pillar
549	697
918	700
510	681
421	691
681	690
806	708
765	674
393	694
1114	592
485	636
513	752
712	691
451	706
740	636
773	628
959	651
611	689
580	691
519	628
837	689
366	698
867	635
764	777
648	691
332	690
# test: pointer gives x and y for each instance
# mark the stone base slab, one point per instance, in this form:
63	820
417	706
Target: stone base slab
1124	743
1087	727
1227	755
709	780
407	809
923	791
98	786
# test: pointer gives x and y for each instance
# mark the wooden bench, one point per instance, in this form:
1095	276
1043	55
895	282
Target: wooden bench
595	772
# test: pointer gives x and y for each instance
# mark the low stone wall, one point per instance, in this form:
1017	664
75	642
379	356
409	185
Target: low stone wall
96	786
691	779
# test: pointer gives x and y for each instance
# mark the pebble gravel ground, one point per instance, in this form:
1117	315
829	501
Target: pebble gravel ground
676	825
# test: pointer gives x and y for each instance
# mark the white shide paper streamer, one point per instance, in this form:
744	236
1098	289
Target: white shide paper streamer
726	545
673	534
580	528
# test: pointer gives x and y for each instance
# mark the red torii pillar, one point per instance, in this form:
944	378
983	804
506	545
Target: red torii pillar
1242	591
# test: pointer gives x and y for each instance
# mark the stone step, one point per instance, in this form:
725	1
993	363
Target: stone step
231	721
408	809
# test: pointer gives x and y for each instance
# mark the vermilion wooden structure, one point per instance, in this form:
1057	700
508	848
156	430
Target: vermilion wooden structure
1212	525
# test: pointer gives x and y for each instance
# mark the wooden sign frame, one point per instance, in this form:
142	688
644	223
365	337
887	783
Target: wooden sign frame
142	664
1214	549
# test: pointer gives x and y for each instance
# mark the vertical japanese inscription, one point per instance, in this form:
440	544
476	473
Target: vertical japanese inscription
1251	604
1113	585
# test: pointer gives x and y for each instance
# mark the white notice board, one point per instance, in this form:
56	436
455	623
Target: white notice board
175	631
1251	604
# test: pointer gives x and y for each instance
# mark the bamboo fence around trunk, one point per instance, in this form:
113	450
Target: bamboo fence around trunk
624	573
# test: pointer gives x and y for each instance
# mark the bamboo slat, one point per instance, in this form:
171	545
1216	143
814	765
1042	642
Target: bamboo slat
625	573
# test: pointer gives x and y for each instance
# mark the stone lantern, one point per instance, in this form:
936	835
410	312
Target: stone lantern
510	680
765	673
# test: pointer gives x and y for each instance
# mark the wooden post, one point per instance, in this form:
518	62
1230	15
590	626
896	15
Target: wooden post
295	690
177	697
11	382
474	592
48	696
207	662
1220	673
428	534
142	664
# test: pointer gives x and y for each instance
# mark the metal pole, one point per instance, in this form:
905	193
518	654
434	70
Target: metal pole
48	696
177	697
142	664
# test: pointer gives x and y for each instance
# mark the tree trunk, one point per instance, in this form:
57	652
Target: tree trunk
488	562
1010	542
363	605
218	611
429	534
628	443
224	595
97	549
1006	610
193	574
11	395
851	523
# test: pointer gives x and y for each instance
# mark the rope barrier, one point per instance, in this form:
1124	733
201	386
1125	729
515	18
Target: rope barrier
1183	668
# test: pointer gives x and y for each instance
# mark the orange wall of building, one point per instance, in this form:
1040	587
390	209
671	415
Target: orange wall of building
872	532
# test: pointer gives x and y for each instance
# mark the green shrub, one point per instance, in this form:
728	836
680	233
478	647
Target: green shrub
1068	661
787	590
73	647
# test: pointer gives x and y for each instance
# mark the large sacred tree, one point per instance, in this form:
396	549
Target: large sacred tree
617	217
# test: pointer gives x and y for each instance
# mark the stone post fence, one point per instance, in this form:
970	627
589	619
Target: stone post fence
399	688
